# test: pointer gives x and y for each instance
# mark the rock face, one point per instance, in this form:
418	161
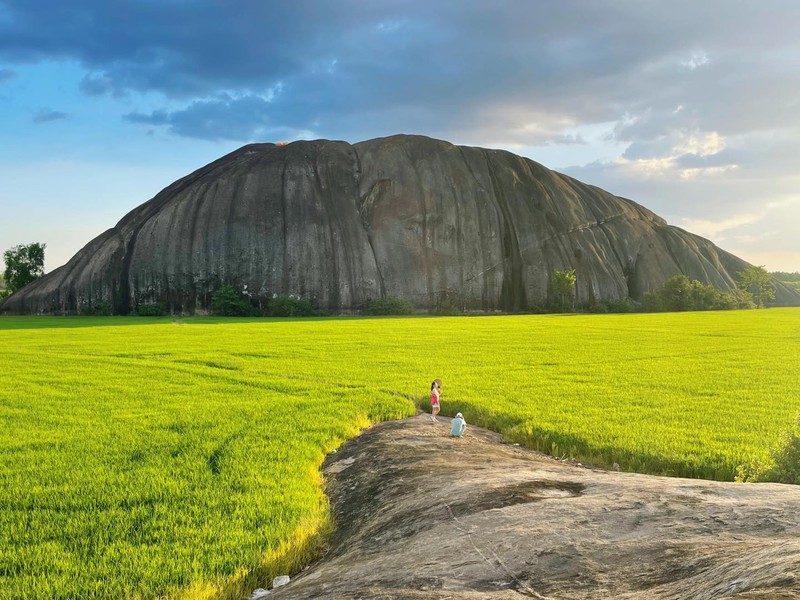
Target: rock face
341	224
421	515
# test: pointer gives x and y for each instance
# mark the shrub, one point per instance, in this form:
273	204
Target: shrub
783	463
679	294
390	305
155	309
289	306
100	309
651	302
623	305
227	301
597	307
741	298
563	286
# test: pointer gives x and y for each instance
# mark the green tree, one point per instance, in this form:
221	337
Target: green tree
24	263
678	293
563	284
290	306
228	302
791	280
759	283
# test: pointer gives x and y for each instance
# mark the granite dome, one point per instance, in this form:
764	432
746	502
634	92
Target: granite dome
410	216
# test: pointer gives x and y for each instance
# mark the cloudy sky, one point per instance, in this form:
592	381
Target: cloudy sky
690	108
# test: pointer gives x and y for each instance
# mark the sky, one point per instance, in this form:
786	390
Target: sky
690	108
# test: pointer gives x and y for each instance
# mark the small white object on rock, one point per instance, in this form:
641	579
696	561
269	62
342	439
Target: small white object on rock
516	444
333	451
279	581
259	594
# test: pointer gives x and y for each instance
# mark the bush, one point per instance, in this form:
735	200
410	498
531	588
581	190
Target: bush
101	309
783	462
651	302
390	305
597	307
155	309
623	305
679	294
741	299
289	306
228	302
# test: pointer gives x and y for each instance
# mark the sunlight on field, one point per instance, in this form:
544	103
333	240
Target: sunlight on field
147	457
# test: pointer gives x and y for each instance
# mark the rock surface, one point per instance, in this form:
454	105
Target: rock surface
423	515
341	224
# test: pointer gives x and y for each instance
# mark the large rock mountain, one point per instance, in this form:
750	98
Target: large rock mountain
341	224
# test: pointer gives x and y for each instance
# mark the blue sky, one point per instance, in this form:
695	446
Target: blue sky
690	108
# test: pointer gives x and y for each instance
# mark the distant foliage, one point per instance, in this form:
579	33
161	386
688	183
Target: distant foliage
785	277
680	294
758	282
290	306
98	309
791	280
783	463
563	284
390	305
24	264
150	310
227	301
623	305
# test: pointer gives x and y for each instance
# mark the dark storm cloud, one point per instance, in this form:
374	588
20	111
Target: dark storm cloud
47	116
514	72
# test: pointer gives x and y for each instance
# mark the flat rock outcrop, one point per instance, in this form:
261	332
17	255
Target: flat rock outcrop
342	224
423	515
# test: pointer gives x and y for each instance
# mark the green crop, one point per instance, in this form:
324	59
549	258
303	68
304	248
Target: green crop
181	459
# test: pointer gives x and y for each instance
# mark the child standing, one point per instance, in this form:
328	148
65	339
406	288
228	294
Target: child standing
436	391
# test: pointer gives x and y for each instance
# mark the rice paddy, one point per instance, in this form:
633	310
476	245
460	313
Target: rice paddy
148	458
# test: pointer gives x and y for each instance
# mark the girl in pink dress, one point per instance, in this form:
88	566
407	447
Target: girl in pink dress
436	391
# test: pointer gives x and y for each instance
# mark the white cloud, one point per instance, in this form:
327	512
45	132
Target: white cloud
713	229
695	172
702	144
667	156
646	167
698	59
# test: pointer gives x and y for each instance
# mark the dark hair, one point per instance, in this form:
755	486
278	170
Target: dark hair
433	384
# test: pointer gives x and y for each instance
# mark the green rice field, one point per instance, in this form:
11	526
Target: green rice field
147	458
